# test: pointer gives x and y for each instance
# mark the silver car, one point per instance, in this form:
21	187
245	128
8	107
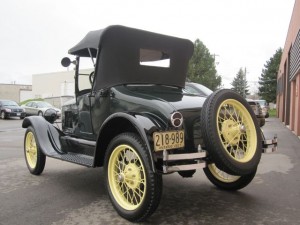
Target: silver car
38	108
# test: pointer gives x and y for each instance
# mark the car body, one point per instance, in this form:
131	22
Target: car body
38	108
201	90
9	108
264	106
137	121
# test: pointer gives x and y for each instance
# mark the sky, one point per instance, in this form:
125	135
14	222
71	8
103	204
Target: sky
37	34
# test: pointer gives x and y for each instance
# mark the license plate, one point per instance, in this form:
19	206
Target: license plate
18	114
168	140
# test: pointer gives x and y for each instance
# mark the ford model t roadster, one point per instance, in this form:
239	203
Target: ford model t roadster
135	119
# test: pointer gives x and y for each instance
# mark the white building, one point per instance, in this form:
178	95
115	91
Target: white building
57	87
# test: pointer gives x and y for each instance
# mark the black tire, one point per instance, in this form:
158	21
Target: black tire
3	115
231	133
34	157
267	115
227	181
133	188
262	122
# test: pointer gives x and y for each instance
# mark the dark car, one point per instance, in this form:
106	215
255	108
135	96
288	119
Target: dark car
136	120
201	90
9	108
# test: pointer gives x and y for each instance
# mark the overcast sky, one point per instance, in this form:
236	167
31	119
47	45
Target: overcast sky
36	34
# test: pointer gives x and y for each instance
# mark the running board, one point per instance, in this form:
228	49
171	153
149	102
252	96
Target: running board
80	159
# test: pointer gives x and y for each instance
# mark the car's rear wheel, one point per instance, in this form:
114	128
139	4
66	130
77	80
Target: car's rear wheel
134	189
231	133
35	158
227	181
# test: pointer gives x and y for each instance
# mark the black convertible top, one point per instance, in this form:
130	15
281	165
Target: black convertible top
122	49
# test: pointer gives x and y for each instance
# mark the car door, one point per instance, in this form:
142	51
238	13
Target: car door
28	109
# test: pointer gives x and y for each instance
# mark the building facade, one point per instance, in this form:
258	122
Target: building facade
288	77
15	92
58	87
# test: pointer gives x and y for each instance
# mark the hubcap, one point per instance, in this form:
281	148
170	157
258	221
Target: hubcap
236	130
126	177
31	150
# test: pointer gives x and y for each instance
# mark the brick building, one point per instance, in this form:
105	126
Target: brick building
288	77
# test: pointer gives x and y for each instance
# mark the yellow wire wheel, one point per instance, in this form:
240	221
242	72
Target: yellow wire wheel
221	175
231	133
226	181
127	178
236	130
30	150
132	184
34	157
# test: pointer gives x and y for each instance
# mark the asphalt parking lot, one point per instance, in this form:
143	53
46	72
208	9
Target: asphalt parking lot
71	194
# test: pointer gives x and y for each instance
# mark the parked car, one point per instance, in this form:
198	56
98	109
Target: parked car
264	106
137	121
257	111
197	89
201	90
38	108
9	108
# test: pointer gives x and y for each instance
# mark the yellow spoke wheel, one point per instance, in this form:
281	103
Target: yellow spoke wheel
221	175
236	130
126	176
225	180
132	185
35	158
231	133
30	150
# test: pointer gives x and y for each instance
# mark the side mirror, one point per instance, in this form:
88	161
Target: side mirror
65	62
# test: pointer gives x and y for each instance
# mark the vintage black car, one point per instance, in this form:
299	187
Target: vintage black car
135	119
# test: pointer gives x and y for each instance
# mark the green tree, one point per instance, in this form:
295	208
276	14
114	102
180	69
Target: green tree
202	67
268	80
240	84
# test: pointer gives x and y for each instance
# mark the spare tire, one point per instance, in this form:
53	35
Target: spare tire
231	133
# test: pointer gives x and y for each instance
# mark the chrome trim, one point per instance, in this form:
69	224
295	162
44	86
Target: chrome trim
176	117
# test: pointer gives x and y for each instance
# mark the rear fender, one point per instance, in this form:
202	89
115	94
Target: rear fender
142	124
47	135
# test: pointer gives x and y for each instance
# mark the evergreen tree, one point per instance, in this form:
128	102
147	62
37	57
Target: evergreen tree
202	67
268	80
240	84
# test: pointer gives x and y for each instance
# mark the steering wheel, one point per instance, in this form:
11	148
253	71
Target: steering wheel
91	77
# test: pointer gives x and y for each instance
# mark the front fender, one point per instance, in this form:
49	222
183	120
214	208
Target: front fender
142	124
47	135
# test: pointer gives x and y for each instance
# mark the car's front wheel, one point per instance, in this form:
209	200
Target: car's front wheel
134	189
3	115
227	181
35	158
